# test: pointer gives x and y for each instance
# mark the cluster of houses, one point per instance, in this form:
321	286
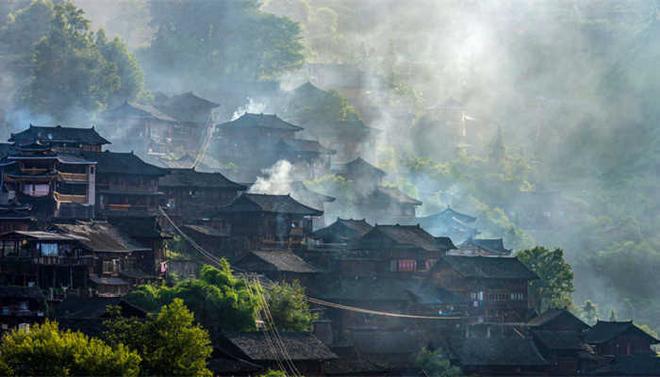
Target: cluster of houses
82	225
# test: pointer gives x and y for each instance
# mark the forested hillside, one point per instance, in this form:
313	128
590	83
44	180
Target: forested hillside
539	117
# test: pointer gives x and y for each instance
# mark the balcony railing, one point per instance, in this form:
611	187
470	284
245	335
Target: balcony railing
73	177
126	207
64	198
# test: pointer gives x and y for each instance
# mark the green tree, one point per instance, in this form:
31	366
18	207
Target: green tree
230	39
218	299
45	350
273	373
26	26
612	315
436	364
554	287
289	307
170	343
76	72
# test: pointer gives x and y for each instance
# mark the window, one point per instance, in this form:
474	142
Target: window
48	249
407	265
110	266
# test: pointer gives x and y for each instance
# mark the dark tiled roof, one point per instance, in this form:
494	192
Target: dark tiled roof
284	204
639	365
511	351
343	230
59	134
305	195
193	178
359	167
42	236
93	307
10	291
604	331
299	346
100	236
403	235
559	340
275	260
15	211
205	230
305	146
132	109
553	315
261	121
449	214
187	100
396	195
489	267
122	163
495	246
370	289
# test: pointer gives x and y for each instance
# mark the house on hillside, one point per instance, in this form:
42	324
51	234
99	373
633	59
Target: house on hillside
125	184
482	247
306	352
507	356
262	220
67	140
393	249
451	223
342	231
190	194
45	169
21	306
278	265
82	258
559	336
497	289
370	199
620	338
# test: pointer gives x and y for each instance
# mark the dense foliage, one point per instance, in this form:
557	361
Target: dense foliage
218	299
289	307
219	39
169	342
436	364
45	350
76	71
554	287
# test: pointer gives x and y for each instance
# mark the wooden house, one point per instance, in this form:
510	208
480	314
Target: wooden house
57	184
482	247
15	216
496	288
88	314
342	231
278	265
20	306
68	140
361	173
620	338
498	356
308	106
135	123
559	336
262	220
303	350
125	185
81	258
311	198
394	249
187	107
190	194
451	223
309	154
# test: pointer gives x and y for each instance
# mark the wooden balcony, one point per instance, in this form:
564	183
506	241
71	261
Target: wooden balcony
63	198
34	171
72	177
126	207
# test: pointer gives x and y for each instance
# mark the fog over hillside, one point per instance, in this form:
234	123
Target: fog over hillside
539	117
